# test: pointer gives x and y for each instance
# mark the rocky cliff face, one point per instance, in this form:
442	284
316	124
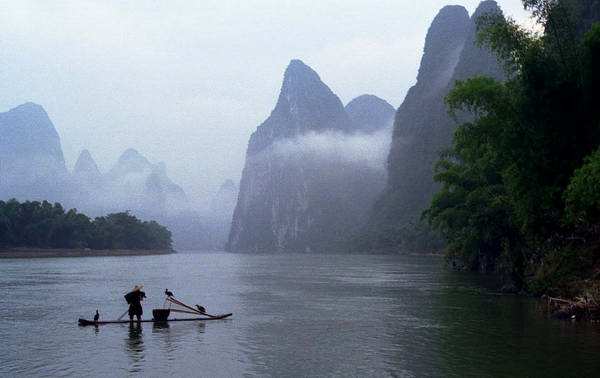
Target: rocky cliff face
305	104
296	193
223	203
32	165
423	128
473	59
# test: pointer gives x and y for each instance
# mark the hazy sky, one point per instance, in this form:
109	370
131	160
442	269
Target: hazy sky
187	82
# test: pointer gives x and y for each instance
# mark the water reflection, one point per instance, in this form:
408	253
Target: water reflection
201	328
158	326
485	334
333	315
134	346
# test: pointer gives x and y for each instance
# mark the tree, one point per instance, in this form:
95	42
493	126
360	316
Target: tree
511	169
45	225
582	196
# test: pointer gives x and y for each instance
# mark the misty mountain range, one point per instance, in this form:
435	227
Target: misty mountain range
302	200
32	167
133	182
318	177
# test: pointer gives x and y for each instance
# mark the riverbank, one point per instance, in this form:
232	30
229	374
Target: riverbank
580	308
30	253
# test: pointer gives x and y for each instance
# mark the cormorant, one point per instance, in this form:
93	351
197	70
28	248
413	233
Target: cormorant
97	316
168	293
200	308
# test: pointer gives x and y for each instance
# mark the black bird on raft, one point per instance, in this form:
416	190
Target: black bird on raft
201	309
97	316
168	293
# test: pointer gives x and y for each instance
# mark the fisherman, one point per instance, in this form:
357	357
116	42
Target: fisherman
134	298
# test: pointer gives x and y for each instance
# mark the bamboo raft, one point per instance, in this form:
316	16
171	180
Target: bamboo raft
161	315
85	322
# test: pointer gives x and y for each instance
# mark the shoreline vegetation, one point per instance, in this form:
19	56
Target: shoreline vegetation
520	184
35	225
578	308
33	253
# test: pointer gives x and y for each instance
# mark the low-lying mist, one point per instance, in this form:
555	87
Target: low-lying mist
367	149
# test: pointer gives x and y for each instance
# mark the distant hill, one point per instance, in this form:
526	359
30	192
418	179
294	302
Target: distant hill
32	164
370	113
32	167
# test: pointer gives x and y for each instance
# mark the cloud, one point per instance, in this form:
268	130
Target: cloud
369	150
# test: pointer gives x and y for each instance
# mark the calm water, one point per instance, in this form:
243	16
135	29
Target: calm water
297	315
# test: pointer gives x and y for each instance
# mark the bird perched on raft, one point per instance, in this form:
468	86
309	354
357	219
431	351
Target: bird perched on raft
97	316
168	293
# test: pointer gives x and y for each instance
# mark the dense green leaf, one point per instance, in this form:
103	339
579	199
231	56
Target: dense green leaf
516	184
44	225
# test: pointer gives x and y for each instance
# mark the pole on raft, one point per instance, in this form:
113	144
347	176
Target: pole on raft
121	317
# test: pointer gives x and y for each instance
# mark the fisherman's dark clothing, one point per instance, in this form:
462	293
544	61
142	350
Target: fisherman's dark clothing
135	306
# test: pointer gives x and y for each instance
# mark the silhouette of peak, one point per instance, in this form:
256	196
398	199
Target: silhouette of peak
370	100
445	39
297	66
298	77
30	114
487	6
85	163
370	113
449	12
131	161
447	16
131	153
305	104
85	156
30	121
29	107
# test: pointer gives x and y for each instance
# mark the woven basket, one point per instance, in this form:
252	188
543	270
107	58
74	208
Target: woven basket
161	313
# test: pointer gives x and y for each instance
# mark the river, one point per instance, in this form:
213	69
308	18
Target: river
294	316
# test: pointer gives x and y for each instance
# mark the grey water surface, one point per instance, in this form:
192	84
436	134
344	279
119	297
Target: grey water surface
294	316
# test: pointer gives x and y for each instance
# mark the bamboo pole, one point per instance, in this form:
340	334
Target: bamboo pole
177	302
